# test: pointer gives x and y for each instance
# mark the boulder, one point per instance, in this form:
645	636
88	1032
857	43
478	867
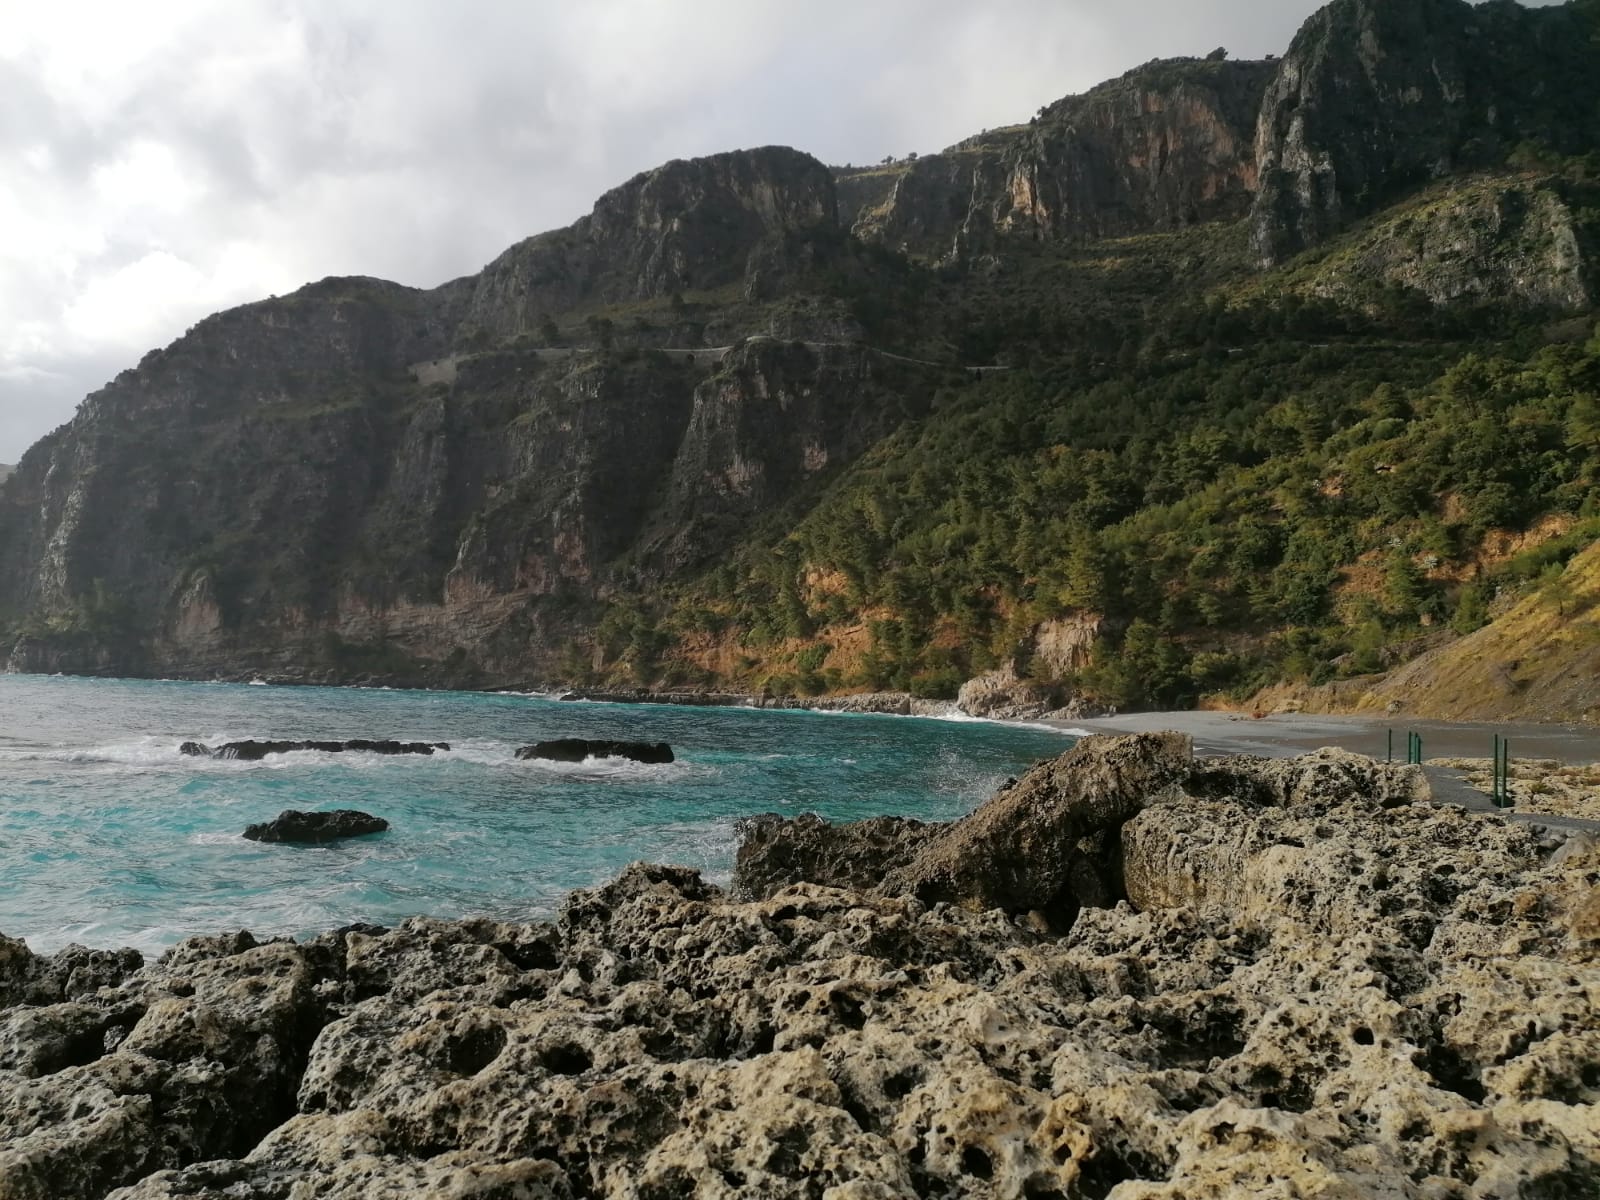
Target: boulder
1043	845
1001	696
293	826
255	751
574	750
1023	850
775	851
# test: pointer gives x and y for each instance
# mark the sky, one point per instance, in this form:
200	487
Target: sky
162	161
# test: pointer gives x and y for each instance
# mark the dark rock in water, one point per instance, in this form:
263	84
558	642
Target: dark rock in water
293	826
254	751
578	749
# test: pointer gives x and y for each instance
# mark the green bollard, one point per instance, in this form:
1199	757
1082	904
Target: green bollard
1494	787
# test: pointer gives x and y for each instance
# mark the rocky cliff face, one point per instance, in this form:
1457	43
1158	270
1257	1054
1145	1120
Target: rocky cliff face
212	511
1167	145
1496	237
1376	97
686	225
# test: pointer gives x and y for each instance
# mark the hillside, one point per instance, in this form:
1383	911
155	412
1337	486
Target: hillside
1541	659
1183	388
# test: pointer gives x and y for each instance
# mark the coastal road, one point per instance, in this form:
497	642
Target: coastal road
1288	734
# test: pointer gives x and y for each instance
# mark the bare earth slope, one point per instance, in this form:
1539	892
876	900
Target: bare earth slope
1540	661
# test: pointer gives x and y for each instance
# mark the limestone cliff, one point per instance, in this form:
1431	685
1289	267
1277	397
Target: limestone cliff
685	225
1521	237
1167	145
1375	97
242	527
364	480
299	481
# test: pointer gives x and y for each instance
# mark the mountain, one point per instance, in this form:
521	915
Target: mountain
1219	375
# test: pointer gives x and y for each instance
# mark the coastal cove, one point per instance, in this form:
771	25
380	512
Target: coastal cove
110	837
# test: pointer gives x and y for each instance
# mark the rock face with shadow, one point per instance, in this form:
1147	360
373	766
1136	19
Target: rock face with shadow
1294	986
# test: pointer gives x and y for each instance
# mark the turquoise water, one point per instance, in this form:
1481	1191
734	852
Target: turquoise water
109	837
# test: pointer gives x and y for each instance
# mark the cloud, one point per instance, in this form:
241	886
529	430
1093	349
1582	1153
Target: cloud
158	162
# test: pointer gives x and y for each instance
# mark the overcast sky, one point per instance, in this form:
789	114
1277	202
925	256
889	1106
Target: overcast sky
161	161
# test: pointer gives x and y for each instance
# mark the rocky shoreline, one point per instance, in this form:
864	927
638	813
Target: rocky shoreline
1130	975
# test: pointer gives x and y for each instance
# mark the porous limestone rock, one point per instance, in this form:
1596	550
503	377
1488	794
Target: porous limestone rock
1330	996
776	851
1017	852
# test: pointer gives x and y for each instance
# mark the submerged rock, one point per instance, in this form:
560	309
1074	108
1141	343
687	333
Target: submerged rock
254	751
577	749
293	826
1317	995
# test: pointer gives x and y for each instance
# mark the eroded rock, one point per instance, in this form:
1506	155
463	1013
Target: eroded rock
1017	852
1308	996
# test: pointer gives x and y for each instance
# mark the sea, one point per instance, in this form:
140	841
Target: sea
109	837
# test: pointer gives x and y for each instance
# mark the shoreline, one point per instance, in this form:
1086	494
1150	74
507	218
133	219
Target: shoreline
881	1010
1216	731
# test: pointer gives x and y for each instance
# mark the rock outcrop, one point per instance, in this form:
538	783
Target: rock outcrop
1167	145
1313	994
574	750
316	827
1002	696
684	225
1502	237
1374	98
255	751
1037	848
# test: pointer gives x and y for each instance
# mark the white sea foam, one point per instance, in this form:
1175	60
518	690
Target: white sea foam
961	718
619	770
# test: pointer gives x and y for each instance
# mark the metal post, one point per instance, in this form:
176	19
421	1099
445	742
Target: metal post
1494	788
1391	746
1505	771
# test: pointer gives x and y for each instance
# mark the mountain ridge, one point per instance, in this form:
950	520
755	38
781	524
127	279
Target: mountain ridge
598	459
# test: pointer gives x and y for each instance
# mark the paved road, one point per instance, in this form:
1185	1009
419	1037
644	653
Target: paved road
1450	786
1287	735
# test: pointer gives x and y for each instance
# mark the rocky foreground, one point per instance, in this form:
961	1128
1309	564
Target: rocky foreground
1129	975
